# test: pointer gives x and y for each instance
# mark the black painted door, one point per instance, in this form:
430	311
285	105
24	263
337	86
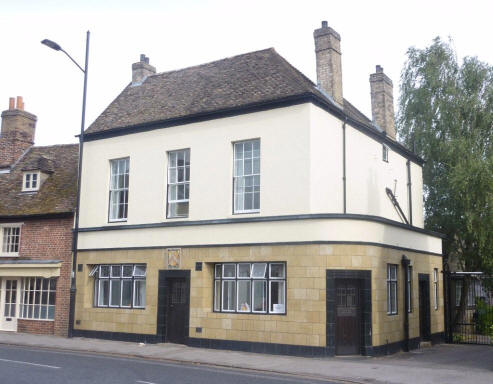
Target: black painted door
348	313
177	307
424	306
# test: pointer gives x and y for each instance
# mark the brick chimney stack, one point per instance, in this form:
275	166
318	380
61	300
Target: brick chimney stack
141	70
382	101
328	55
17	132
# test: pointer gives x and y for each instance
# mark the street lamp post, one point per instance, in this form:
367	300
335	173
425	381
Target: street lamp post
56	47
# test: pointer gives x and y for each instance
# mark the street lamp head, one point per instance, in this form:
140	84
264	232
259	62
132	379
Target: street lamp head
51	44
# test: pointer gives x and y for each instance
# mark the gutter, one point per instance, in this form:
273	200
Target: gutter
307	97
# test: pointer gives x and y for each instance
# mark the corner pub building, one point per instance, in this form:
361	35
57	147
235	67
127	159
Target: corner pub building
238	205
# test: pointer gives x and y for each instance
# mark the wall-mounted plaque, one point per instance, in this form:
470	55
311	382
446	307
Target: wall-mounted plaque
174	258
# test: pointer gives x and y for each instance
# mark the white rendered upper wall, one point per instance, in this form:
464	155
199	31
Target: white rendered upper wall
284	167
301	169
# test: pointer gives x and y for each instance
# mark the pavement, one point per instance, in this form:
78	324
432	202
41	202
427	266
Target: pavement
442	363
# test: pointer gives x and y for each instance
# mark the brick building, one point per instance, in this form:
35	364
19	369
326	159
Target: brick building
37	199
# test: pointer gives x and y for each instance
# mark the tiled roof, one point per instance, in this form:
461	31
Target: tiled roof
237	81
249	80
56	195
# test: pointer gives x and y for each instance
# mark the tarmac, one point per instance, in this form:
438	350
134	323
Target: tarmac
442	363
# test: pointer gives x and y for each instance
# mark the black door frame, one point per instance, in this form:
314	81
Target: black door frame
365	309
162	301
426	317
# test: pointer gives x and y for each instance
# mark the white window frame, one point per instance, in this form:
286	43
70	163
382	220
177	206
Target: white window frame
241	178
267	279
392	282
26	304
3	227
435	288
98	280
186	183
28	178
112	212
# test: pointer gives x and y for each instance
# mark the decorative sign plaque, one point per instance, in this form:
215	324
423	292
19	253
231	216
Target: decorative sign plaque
174	258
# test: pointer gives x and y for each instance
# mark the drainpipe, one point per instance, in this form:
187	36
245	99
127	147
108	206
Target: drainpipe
409	192
405	266
344	164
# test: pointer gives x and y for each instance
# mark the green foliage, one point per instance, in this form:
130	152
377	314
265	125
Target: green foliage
484	321
457	338
446	115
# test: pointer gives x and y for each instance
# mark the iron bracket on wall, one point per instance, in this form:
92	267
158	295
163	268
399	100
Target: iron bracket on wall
396	205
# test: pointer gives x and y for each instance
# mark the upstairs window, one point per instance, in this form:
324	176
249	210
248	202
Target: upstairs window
391	289
30	182
10	240
119	177
385	153
178	183
246	180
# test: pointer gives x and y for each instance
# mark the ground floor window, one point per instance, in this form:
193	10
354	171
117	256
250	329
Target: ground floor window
409	289
250	287
392	289
38	298
119	285
435	288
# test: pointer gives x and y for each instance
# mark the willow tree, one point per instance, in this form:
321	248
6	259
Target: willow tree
446	115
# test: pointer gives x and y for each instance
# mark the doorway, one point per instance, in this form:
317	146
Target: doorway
424	306
9	303
348	317
174	306
349	312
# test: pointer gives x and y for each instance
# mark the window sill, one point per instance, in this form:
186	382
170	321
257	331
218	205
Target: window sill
117	221
246	212
251	313
124	308
9	254
25	318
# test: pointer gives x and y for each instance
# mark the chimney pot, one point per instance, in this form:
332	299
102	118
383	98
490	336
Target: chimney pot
378	69
11	103
19	103
328	56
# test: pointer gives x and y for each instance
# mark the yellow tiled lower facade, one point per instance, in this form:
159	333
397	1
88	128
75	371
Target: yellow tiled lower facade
305	320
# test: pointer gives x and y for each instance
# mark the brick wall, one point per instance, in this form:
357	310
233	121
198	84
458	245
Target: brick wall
50	239
35	326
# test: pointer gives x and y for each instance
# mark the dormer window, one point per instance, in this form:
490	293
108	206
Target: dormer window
30	181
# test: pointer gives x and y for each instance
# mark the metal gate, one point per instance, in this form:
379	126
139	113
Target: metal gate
469	308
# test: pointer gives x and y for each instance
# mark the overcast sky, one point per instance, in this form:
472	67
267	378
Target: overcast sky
179	33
